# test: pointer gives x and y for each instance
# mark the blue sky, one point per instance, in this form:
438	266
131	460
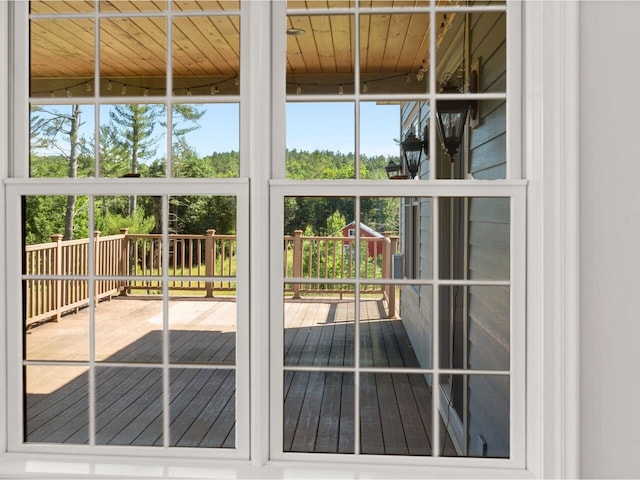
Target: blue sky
330	126
310	126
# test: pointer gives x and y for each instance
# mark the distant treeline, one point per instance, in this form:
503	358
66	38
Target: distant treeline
45	215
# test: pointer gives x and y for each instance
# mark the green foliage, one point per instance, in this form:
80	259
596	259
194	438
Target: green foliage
131	133
111	222
381	214
44	215
335	223
197	214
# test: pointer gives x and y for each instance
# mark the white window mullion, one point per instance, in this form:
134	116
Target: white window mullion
166	381
356	333
257	144
518	324
20	112
435	338
433	88
514	86
92	327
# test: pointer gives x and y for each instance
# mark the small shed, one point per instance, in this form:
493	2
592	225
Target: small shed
374	247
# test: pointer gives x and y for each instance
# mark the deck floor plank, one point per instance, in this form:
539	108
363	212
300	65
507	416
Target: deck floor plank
393	429
306	432
185	385
210	403
395	409
371	437
331	415
122	421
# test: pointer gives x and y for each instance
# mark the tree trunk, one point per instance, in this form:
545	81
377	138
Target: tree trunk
73	170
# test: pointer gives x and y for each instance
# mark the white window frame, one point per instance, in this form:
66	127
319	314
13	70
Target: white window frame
17	184
515	191
15	189
550	145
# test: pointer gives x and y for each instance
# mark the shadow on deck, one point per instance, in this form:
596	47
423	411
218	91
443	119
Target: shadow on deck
319	414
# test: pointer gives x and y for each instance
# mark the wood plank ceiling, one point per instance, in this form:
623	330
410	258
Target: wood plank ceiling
207	47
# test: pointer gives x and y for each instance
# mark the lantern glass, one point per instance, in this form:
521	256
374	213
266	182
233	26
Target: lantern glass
451	123
412	152
394	170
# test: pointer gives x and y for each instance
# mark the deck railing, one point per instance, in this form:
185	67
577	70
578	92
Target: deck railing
51	298
136	261
315	259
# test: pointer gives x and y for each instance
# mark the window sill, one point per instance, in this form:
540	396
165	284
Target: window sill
16	465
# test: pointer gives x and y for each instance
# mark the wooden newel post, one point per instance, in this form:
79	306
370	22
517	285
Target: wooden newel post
57	285
209	260
123	269
390	246
297	261
97	263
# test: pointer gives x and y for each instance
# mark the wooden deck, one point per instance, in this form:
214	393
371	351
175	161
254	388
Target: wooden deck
395	409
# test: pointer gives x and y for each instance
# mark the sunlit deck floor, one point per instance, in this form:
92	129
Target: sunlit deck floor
395	409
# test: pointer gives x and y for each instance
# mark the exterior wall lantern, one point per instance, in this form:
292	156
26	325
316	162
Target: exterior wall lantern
394	170
452	115
412	148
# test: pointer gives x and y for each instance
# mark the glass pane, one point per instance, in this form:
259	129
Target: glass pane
478	3
61	6
485	127
320	54
413	157
50	223
129	329
475	238
394	53
478	339
411	256
479	406
488	147
487	50
203	235
320	141
207	146
202	5
57	322
393	3
202	330
319	330
379	134
62	57
206	55
132	6
318	412
56	404
315	4
395	414
202	408
136	219
396	326
133	140
128	406
319	238
62	141
133	55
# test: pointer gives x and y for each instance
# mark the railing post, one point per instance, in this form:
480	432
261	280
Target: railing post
209	260
297	261
96	264
123	268
387	272
57	284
